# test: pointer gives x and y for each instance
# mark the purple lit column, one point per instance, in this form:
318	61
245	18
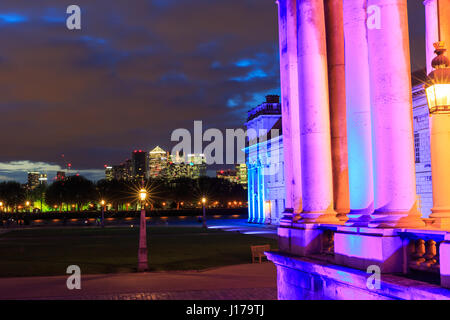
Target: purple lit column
359	126
287	21
393	145
336	83
317	180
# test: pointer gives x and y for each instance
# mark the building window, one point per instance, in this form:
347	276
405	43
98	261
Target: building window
417	146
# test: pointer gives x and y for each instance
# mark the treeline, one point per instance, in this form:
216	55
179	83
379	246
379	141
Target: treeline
76	193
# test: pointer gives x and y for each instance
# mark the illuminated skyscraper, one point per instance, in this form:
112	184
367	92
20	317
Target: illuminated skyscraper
241	173
109	173
196	165
33	179
158	161
140	164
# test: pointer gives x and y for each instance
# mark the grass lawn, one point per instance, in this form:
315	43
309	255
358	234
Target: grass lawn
41	252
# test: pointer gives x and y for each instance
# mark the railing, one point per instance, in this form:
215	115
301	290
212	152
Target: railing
424	255
421	249
327	247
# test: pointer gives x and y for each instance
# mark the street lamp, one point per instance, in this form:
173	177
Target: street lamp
27	205
142	253
1	206
103	202
204	212
438	95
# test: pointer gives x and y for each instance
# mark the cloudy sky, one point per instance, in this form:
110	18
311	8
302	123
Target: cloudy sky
136	71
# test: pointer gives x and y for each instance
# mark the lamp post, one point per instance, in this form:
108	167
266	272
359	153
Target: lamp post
204	212
1	206
142	253
27	205
438	95
103	202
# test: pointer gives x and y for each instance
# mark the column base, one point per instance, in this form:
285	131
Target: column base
342	216
411	219
441	218
300	239
360	217
360	248
142	260
328	216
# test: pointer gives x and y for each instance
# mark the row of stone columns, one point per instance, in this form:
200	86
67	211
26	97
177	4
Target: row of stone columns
359	78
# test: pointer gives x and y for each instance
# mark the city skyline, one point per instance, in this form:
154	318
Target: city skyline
123	67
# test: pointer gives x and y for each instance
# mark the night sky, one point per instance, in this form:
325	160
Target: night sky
135	72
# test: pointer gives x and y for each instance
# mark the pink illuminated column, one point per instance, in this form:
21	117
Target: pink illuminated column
336	82
359	127
393	145
287	11
317	180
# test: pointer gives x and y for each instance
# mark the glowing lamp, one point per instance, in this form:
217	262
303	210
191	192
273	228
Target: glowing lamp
103	202
27	203
203	200
438	84
1	204
142	194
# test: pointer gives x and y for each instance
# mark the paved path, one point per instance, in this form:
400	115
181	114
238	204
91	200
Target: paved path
242	226
239	282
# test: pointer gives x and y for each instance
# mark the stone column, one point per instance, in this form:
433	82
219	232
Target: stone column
334	23
437	13
393	151
359	127
440	167
317	179
287	16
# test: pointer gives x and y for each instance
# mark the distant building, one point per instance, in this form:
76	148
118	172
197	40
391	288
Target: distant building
60	175
176	167
228	174
241	173
158	162
109	175
139	160
33	180
265	163
196	165
43	179
422	149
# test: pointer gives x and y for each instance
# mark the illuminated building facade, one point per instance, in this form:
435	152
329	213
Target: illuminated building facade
265	166
422	152
33	180
109	175
196	165
158	161
241	172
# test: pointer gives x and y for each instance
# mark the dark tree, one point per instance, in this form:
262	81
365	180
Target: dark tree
12	194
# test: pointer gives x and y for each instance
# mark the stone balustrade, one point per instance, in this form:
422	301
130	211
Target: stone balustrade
398	251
